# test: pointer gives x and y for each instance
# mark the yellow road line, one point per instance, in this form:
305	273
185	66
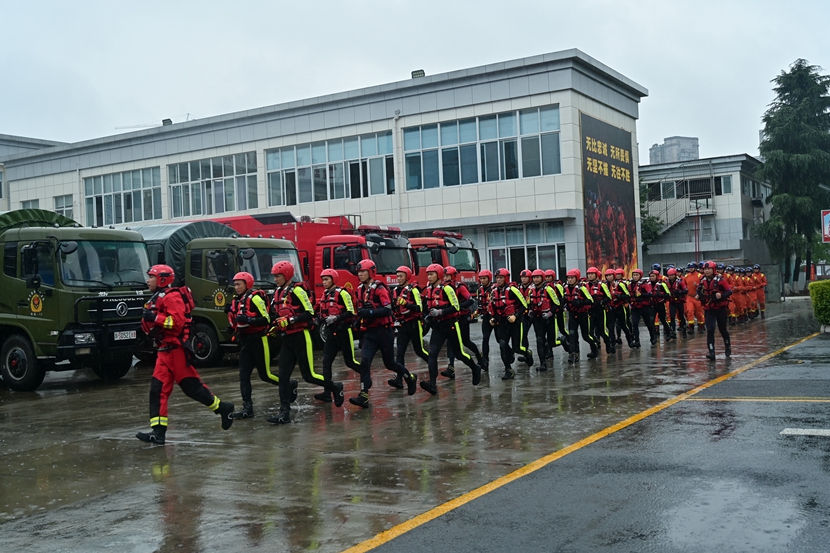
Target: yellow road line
533	466
766	399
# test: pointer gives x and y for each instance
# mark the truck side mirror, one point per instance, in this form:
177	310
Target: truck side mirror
33	281
69	247
374	248
213	254
248	253
452	248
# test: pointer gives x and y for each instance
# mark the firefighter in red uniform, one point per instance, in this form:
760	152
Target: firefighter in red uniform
677	303
541	303
443	310
507	307
601	294
558	312
485	285
617	309
578	301
761	291
374	311
335	312
248	318
466	302
713	294
641	307
524	287
166	320
408	309
292	314
660	295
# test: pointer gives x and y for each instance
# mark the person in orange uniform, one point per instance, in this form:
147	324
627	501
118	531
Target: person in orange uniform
761	290
694	310
735	306
166	319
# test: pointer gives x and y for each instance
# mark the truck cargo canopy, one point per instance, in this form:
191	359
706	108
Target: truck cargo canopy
22	218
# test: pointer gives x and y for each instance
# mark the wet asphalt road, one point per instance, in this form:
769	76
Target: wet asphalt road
698	476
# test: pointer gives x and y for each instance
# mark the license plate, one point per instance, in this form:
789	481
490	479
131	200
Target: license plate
126	335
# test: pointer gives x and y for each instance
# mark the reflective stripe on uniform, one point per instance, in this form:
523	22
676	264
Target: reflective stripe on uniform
261	307
463	352
310	354
158	421
215	405
347	301
168	322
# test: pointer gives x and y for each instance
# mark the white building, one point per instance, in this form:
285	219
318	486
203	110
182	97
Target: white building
499	152
674	148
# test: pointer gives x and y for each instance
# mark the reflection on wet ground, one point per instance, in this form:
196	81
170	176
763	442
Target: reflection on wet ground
74	477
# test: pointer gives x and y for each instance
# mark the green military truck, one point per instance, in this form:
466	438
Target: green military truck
205	256
72	297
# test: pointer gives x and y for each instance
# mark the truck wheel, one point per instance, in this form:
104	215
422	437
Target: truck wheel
113	370
205	345
18	365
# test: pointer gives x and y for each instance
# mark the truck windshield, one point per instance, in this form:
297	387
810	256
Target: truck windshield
389	259
264	258
463	260
112	263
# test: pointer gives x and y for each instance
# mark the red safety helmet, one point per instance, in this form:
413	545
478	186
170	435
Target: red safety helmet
284	268
654	272
367	265
405	270
329	273
437	269
485	273
574	273
526	273
503	273
247	278
672	272
550	273
619	272
609	272
451	271
538	272
638	271
164	275
592	270
709	265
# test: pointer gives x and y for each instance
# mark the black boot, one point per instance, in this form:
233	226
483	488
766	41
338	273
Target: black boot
711	354
338	394
362	399
508	374
543	366
294	385
727	348
449	372
411	383
529	358
654	338
691	329
476	375
247	411
763	314
485	364
594	352
396	382
572	358
225	410
323	396
154	436
565	345
282	417
685	334
429	387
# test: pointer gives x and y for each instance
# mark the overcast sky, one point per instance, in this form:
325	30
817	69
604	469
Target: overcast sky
72	71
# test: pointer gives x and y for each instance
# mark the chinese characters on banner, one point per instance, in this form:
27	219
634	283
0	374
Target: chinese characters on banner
825	225
608	186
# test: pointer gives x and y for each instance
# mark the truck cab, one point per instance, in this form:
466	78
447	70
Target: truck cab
448	248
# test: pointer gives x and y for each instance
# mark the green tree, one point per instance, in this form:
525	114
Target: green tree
650	225
796	151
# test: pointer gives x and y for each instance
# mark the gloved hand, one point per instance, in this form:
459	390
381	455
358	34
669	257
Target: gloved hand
148	316
401	301
434	313
547	315
492	321
273	332
331	319
282	322
243	319
511	319
364	313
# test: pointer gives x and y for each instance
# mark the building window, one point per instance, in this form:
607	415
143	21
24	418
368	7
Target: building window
214	185
505	146
352	167
30	204
128	197
528	246
1	184
63	205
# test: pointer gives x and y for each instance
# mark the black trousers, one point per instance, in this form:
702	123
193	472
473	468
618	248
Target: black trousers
339	340
545	331
464	324
677	315
510	338
599	325
442	332
376	339
622	321
296	350
660	311
486	333
580	323
254	353
647	315
716	317
411	332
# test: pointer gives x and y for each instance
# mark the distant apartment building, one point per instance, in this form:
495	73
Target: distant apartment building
673	149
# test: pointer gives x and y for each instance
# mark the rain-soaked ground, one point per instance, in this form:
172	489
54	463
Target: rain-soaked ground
74	478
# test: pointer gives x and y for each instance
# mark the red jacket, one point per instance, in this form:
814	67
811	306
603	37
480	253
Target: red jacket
711	286
171	318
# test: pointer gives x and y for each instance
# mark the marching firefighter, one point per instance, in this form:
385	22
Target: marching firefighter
618	317
677	303
466	302
761	289
166	320
507	308
374	311
443	311
485	284
336	312
524	287
694	311
541	303
292	315
408	308
660	294
601	294
248	318
558	312
713	294
579	301
641	307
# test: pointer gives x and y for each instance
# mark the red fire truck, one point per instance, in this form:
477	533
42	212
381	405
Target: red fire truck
334	242
448	248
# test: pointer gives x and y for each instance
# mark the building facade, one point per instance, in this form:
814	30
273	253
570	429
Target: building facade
674	148
707	209
497	152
